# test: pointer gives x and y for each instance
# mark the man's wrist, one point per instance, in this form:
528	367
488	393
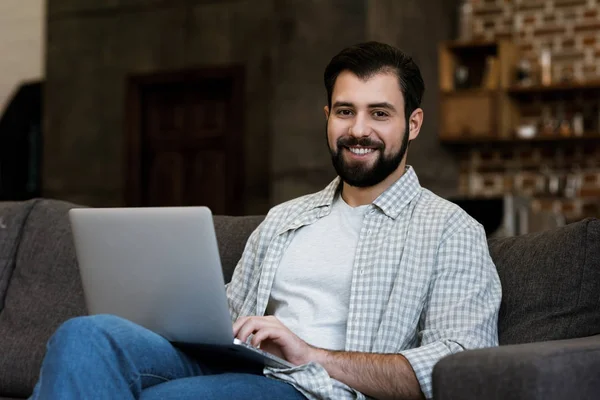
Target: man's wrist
318	355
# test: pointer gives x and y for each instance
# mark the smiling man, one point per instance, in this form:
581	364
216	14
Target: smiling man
363	286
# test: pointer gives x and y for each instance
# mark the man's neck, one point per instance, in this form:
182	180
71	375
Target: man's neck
359	196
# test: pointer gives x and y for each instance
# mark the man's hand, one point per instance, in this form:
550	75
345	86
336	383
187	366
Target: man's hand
272	336
385	376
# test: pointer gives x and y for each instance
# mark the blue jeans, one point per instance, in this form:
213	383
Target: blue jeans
106	357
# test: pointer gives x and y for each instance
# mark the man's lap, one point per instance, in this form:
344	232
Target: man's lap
164	370
234	386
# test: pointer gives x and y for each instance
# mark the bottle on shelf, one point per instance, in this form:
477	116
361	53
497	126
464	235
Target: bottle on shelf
546	67
564	126
466	20
548	123
578	127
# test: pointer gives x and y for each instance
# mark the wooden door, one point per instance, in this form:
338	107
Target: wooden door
186	141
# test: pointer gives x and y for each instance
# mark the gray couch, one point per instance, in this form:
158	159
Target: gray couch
550	310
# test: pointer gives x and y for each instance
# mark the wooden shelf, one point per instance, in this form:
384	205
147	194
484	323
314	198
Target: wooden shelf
491	141
468	91
555	88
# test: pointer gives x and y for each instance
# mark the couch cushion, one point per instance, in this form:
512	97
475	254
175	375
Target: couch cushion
44	291
12	217
550	283
232	235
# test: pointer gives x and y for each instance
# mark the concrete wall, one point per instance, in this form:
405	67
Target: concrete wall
22	42
91	51
284	44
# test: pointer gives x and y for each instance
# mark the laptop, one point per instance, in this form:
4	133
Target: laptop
159	267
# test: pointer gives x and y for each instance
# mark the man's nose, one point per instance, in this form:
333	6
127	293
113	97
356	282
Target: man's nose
360	127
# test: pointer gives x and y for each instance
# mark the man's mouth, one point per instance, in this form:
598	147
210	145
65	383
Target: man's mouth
361	151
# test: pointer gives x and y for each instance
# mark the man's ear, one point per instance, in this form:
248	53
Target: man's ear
415	122
326	109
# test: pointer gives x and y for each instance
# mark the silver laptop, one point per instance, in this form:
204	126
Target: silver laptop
160	268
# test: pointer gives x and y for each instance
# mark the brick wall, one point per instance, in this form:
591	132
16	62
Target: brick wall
21	44
570	29
561	176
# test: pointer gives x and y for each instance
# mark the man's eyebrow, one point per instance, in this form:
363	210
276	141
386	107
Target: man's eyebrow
384	104
342	104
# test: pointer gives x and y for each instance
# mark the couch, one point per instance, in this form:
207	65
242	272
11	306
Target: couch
549	324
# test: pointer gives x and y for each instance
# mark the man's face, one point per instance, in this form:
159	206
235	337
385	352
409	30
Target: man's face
366	128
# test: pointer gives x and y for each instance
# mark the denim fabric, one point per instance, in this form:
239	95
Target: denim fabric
106	357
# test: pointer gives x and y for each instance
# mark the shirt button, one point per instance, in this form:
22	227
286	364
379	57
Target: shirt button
369	232
362	271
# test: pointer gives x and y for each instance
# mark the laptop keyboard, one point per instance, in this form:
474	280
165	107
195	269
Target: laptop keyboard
264	353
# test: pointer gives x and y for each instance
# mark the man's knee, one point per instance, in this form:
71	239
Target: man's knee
79	342
88	329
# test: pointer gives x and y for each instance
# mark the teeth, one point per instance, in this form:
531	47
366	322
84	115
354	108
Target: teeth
360	150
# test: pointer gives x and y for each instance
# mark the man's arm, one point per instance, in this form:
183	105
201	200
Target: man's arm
382	376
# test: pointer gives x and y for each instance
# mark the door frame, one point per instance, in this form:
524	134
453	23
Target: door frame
133	124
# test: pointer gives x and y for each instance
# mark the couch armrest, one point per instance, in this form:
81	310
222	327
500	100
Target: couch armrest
562	369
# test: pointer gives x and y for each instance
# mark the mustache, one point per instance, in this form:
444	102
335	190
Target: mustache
349	141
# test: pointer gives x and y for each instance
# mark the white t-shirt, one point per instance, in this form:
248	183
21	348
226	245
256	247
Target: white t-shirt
311	291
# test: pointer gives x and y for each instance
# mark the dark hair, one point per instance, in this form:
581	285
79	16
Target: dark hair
367	59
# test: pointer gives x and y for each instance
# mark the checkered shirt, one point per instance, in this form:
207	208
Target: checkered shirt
423	282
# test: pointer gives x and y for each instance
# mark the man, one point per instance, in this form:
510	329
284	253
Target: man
363	286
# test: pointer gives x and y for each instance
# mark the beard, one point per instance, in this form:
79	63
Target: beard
359	174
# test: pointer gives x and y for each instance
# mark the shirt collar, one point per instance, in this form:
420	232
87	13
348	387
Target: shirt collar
401	193
391	202
326	196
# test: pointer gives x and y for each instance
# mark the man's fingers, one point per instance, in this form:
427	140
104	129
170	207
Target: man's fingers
238	324
250	326
245	326
261	335
245	330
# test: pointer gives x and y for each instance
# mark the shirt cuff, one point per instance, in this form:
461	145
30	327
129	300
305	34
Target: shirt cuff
423	359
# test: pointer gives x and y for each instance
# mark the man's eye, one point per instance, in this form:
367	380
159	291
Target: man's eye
344	112
380	114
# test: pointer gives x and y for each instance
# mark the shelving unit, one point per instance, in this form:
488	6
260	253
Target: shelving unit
476	104
479	117
486	107
558	88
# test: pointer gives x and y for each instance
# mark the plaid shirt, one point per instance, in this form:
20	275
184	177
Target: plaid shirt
423	282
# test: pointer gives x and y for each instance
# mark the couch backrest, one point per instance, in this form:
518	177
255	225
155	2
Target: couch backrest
550	283
39	268
44	290
232	235
12	218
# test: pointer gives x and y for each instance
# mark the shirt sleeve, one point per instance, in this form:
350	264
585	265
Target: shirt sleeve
461	311
242	283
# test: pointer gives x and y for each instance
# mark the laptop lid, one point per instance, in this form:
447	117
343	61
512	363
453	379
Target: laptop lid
157	267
